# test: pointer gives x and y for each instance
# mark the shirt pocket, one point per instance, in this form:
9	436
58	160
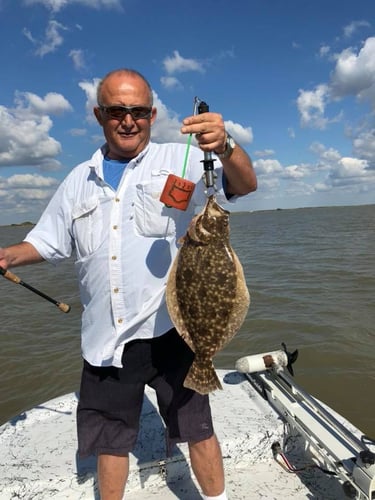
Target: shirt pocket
152	218
88	227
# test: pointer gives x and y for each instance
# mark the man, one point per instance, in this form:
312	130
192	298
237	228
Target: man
109	213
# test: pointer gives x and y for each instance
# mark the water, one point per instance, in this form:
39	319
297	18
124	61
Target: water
311	274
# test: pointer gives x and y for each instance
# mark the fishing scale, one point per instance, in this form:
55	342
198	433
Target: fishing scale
178	191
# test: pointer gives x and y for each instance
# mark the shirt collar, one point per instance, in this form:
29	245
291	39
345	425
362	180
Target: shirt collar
96	161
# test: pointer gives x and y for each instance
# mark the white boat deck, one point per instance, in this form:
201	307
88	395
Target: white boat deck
38	458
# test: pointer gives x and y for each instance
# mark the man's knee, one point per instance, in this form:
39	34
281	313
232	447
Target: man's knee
208	444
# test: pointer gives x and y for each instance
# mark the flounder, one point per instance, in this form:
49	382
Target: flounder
207	296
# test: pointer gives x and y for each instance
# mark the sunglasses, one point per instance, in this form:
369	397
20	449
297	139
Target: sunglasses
119	112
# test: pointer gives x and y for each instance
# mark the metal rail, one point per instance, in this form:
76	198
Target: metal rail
332	443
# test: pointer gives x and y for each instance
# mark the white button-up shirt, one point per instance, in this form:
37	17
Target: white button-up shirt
124	241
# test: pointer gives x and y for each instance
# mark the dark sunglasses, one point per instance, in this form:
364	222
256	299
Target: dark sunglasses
119	112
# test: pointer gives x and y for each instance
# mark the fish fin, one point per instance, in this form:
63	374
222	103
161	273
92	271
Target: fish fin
240	306
173	307
202	378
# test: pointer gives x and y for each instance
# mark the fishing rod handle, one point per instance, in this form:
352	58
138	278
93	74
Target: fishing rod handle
203	107
15	279
208	162
63	307
10	276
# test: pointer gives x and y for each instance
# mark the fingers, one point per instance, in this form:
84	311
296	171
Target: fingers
202	123
208	129
3	261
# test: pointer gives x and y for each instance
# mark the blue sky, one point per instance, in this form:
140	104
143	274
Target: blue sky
293	79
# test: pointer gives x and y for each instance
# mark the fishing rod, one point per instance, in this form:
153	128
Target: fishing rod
208	162
15	279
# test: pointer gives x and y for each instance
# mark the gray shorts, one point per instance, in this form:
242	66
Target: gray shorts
110	402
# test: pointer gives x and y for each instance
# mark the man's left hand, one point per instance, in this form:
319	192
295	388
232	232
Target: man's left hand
208	129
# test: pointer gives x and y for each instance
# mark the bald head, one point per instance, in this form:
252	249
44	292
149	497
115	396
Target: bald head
120	73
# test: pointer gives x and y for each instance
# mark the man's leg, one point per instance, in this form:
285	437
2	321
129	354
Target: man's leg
112	476
207	464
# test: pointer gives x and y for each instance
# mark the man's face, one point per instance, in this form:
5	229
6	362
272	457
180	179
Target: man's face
126	136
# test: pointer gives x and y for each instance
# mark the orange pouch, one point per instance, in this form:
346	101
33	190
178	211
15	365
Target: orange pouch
177	192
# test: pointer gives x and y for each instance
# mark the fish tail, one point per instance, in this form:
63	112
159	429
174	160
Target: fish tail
202	378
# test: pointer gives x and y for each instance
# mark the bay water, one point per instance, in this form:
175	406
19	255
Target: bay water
311	276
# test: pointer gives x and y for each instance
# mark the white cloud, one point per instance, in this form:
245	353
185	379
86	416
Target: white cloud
25	195
167	125
354	73
354	26
295	172
349	173
329	172
26	141
179	64
311	105
324	50
291	132
327	157
264	152
32	104
52	39
352	76
90	90
364	146
268	185
77	132
320	187
352	174
78	58
30	181
57	5
28	35
267	167
241	134
54	5
351	167
25	131
171	82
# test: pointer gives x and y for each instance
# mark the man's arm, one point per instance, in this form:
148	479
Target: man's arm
18	255
239	171
211	136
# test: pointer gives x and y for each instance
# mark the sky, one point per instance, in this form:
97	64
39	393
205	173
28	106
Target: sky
293	79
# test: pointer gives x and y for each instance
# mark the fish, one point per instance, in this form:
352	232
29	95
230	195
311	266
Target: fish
206	293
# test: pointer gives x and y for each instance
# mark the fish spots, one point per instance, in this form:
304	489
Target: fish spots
206	294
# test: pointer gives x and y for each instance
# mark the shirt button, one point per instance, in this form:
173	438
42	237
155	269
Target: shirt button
120	320
115	226
114	257
117	200
115	290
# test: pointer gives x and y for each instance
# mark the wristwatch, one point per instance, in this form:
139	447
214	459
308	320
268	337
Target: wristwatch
229	146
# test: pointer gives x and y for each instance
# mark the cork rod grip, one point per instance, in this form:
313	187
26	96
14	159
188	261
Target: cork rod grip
15	279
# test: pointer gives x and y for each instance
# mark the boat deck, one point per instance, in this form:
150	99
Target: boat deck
39	460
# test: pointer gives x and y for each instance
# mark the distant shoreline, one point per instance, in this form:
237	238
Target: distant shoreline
24	224
257	211
21	224
232	212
